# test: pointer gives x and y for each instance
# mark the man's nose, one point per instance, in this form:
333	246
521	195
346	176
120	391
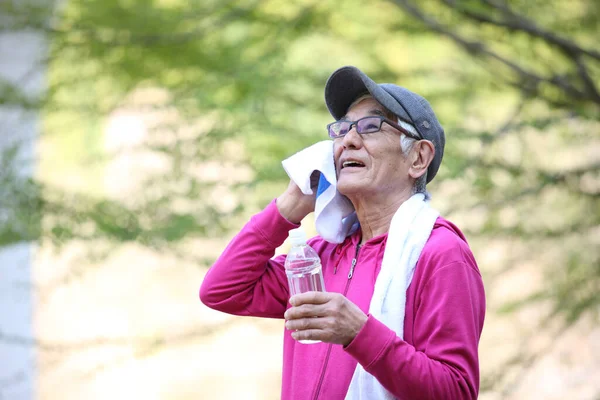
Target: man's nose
352	138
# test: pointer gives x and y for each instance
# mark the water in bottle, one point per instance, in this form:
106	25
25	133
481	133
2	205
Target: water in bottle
303	267
305	276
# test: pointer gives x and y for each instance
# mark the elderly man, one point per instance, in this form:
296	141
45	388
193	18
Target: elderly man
387	144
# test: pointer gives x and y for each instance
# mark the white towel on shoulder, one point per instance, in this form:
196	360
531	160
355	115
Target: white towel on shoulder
335	219
409	231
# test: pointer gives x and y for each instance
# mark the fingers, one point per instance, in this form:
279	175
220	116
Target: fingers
304	311
314	179
328	317
293	205
305	324
310	334
311	298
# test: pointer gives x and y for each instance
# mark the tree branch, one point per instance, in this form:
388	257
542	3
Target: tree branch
543	179
506	127
533	80
519	23
585	77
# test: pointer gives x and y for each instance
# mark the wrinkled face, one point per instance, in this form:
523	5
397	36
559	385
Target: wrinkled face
372	163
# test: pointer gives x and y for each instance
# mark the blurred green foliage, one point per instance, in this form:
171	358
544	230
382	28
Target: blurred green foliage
240	84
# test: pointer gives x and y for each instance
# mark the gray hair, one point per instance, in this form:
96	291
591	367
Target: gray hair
406	144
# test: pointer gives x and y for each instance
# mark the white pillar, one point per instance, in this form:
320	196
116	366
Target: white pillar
20	53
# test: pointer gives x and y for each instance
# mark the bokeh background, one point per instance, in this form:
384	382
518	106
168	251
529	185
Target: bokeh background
137	136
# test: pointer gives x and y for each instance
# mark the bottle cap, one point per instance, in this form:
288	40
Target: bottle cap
297	236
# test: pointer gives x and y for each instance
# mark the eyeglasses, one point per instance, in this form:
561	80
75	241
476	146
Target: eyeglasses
364	125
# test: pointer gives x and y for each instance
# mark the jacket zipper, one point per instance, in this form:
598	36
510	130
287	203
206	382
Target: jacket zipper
350	274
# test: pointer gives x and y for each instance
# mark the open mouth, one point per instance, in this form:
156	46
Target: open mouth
352	164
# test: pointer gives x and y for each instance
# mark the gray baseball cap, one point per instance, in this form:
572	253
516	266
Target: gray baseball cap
348	83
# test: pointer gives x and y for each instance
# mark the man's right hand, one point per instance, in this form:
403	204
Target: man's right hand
294	205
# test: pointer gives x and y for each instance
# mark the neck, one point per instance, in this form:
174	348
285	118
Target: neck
375	213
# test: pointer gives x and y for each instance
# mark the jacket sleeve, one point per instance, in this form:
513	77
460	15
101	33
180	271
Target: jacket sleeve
443	363
245	280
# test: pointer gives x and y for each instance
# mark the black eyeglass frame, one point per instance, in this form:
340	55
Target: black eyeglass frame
381	121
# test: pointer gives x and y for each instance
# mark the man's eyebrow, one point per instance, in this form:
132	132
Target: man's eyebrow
374	111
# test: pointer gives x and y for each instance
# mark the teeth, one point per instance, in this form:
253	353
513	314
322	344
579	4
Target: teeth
352	164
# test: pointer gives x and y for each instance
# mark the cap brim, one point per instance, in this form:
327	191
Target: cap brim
348	83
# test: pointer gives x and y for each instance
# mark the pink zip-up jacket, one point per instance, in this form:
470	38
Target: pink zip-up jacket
445	308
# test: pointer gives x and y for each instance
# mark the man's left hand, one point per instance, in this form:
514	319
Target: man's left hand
328	317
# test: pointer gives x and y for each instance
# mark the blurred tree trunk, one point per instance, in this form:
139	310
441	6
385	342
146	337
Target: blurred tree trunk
22	54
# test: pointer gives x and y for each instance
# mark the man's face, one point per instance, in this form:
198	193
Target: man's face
371	163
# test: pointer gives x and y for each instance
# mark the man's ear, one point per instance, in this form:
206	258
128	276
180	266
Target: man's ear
423	152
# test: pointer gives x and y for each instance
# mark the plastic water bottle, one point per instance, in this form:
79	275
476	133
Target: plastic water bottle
303	265
303	268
